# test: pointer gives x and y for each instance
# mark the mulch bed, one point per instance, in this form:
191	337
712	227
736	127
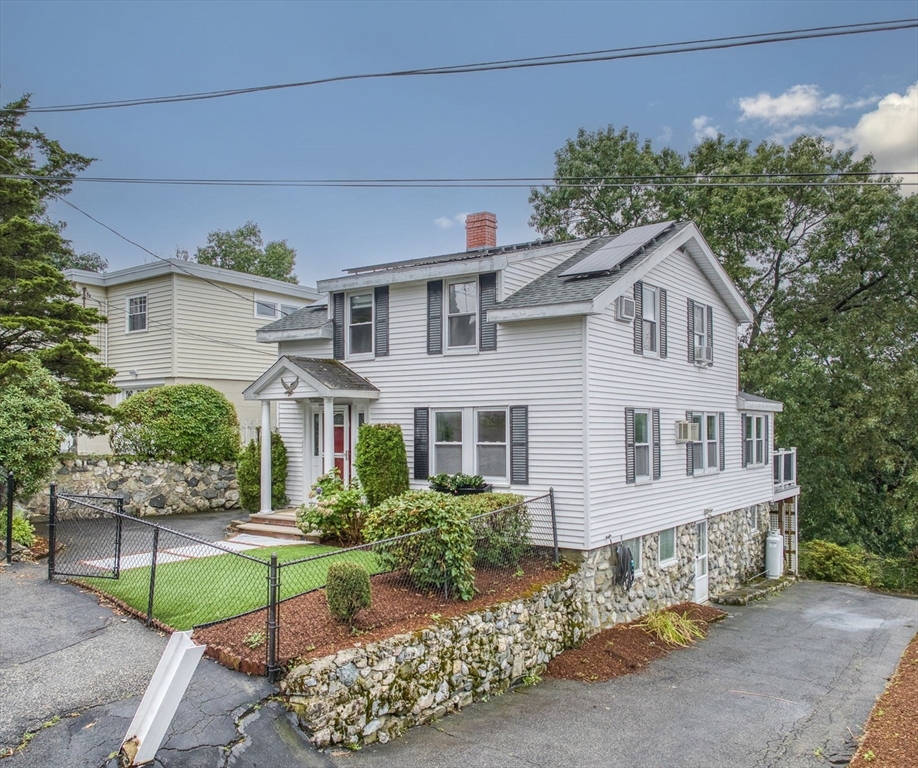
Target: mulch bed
308	630
622	649
891	734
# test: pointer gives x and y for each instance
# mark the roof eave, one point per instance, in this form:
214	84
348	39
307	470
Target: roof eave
758	404
295	334
541	311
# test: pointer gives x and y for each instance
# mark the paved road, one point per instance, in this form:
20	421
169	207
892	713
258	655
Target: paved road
784	682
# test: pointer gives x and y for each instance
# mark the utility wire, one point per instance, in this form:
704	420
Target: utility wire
611	54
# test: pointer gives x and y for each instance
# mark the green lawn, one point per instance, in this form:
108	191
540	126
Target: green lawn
193	592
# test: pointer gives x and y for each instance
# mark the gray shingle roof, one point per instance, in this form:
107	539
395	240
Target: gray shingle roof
313	316
332	373
552	288
757	399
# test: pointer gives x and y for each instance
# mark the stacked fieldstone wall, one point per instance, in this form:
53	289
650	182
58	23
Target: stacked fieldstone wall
149	487
366	694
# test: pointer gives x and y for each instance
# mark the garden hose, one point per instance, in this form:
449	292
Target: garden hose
624	566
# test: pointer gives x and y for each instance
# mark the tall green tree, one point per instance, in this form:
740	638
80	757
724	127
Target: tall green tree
829	272
243	250
38	315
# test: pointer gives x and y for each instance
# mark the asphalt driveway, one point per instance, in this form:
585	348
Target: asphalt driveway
786	682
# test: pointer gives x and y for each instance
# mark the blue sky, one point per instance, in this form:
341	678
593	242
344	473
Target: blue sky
860	91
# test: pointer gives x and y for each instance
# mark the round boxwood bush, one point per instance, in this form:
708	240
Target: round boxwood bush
347	590
180	422
381	462
248	474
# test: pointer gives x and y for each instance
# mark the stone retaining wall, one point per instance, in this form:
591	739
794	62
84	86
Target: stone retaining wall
366	694
148	488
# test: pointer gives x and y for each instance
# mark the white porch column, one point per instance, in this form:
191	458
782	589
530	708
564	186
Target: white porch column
265	456
328	456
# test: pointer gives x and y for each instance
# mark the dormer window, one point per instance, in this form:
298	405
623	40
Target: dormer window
462	311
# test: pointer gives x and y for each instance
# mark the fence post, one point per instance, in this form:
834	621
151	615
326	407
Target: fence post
52	529
152	577
119	509
554	524
272	617
10	490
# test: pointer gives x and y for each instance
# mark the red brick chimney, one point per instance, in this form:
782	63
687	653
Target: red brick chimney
480	230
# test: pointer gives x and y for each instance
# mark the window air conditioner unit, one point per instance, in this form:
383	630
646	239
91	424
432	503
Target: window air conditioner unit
687	432
704	356
624	309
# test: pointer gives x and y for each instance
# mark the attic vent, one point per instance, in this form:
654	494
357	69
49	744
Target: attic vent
624	309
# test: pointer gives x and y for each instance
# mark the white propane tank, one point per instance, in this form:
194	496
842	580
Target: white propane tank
774	555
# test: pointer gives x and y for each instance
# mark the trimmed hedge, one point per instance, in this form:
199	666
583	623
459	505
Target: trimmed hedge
248	474
381	462
178	422
347	590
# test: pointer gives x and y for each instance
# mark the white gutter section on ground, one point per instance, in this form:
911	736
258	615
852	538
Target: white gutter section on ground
161	699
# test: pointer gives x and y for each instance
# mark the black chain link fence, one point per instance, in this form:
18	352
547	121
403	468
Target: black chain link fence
268	611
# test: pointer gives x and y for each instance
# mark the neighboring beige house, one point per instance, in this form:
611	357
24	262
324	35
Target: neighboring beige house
177	322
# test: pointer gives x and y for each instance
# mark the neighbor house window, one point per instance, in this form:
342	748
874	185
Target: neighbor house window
635	546
651	319
265	308
462	314
448	442
641	446
706	455
360	324
754	439
136	313
491	443
668	546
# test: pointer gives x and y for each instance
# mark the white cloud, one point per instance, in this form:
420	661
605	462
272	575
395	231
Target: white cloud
445	222
704	129
797	102
666	135
890	133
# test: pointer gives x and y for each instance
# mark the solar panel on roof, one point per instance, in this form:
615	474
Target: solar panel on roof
616	251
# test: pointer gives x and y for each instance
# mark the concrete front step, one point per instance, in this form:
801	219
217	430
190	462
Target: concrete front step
279	518
278	532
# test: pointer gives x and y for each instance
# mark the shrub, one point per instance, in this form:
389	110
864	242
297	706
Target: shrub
381	462
248	474
31	407
452	483
180	422
439	560
501	538
825	561
347	590
671	627
23	530
338	511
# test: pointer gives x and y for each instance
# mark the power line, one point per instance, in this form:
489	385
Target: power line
611	54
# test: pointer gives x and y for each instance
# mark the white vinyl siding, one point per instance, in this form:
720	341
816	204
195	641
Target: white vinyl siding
291	422
149	353
524	271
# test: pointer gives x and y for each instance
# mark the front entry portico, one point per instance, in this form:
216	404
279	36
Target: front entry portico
321	403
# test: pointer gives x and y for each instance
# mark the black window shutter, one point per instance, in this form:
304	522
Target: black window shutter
629	445
655	414
689	450
381	329
767	439
711	331
338	326
723	432
519	444
663	349
435	317
691	331
639	318
421	443
487	292
745	426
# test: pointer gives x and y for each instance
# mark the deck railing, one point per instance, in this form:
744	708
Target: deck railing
784	462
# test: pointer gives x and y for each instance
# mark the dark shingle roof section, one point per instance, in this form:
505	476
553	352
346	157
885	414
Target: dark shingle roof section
552	288
332	373
478	253
313	316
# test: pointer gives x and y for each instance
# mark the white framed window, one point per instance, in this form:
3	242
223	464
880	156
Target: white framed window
642	441
667	552
360	324
700	321
265	308
447	453
136	311
754	428
635	546
650	303
491	443
706	452
462	314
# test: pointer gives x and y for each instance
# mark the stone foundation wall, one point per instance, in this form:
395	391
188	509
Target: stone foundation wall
148	488
367	694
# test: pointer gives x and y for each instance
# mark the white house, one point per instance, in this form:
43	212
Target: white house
605	368
178	322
